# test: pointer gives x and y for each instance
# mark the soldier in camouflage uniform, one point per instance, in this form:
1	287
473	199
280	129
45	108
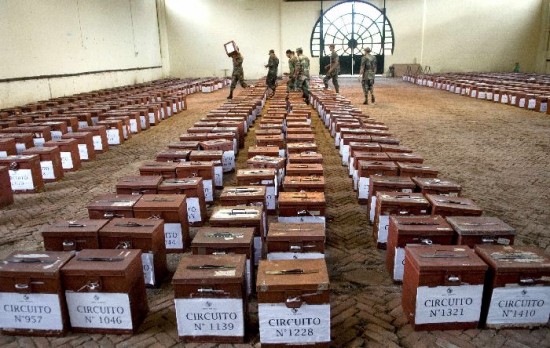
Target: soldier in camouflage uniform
238	73
302	74
273	66
333	69
292	61
368	69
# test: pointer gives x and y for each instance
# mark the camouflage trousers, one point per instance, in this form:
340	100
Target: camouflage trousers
236	77
291	84
334	77
271	81
368	85
302	84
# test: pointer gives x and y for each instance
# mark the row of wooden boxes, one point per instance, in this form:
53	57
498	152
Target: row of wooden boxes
42	141
410	207
528	91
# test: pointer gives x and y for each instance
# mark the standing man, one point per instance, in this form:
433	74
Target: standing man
273	66
292	61
368	69
302	75
333	69
238	73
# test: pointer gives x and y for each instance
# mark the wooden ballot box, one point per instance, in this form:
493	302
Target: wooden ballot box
261	177
68	150
304	183
146	235
25	173
473	230
290	241
204	170
210	298
442	287
105	291
276	163
165	169
382	183
364	171
298	207
193	190
216	157
173	155
304	169
32	301
138	184
85	144
50	162
6	194
73	235
453	206
517	290
244	195
110	206
437	186
416	170
293	303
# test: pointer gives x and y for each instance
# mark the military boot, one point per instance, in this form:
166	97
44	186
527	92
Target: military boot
366	102
230	94
372	98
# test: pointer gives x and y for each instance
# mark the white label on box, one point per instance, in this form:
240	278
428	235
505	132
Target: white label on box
56	135
208	190
147	261
372	208
125	131
38	142
337	140
83	151
21	179
531	104
448	304
294	256
228	161
350	165
143	122
47	170
399	264
364	187
482	95
82	124
30	311
521	102
248	277
474	94
133	125
99	310
193	209
257	249
302	219
98	144
270	198
345	154
306	324
407	190
543	107
513	99
355	179
383	224
519	305
496	97
210	317
174	108
3	154
113	137
218	176
20	147
489	96
161	113
173	238
282	153
66	160
504	99
152	119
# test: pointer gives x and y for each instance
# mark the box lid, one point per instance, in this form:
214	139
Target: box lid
405	157
298	198
393	181
268	173
218	236
236	212
421	225
135	228
276	161
33	263
114	202
417	167
210	269
377	165
195	165
401	199
436	183
283	275
184	145
480	225
187	183
304	180
149	181
163	166
160	202
447	202
81	227
514	258
102	262
279	231
232	192
444	258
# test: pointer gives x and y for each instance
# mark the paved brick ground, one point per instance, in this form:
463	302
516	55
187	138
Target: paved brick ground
487	148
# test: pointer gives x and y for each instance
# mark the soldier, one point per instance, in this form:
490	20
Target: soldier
302	74
292	60
273	66
333	69
238	73
368	69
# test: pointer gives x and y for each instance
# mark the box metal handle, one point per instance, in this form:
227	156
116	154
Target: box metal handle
110	215
22	286
527	281
294	302
453	279
91	286
426	241
68	245
75	224
488	240
124	245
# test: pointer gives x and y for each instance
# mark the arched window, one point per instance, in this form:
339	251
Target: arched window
351	26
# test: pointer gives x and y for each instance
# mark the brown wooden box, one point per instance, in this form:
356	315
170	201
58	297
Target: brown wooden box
110	206
205	170
304	183
85	144
99	135
72	235
210	298
244	195
276	163
405	157
185	145
165	169
50	162
173	155
264	177
273	140
41	134
270	151
453	206
301	147
416	170
214	156
516	287
288	241
6	195
364	171
473	230
306	157
442	287
216	144
413	230
383	183
304	169
193	190
173	210
146	235
292	289
298	207
108	281
138	185
25	173
23	141
227	240
363	156
243	217
300	138
68	150
115	129
437	186
395	203
32	300
7	147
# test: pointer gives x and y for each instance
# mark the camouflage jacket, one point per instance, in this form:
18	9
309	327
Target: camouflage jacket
238	63
304	63
292	64
368	67
273	64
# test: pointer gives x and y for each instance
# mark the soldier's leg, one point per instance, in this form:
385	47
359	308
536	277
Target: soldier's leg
243	84
234	79
371	88
325	80
306	90
335	83
365	86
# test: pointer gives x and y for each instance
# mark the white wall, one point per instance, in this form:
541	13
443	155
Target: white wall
448	35
84	38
